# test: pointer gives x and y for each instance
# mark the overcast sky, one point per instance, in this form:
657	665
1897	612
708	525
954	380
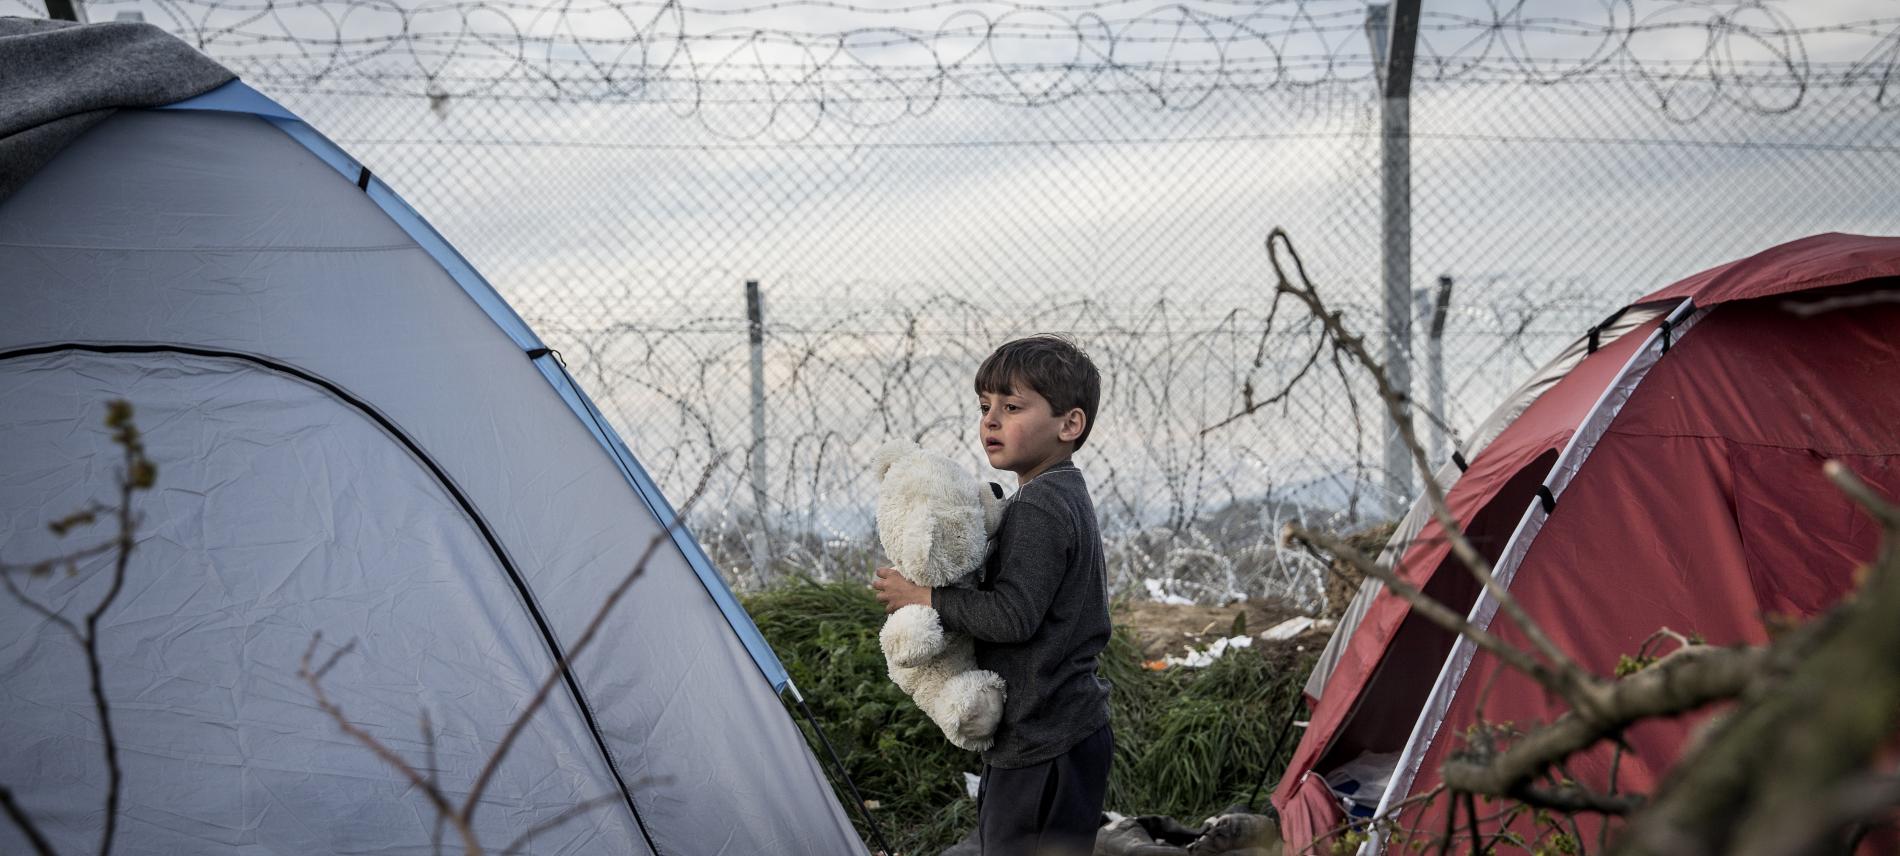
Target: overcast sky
988	153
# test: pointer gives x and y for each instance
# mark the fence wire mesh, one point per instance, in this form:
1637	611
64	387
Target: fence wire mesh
913	185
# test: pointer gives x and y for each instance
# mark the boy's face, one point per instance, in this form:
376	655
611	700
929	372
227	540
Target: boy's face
1022	433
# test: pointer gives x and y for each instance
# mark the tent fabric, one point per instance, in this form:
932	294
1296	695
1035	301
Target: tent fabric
337	423
1808	264
1409	527
1544	425
1555	479
1696	504
1740	524
236	97
59	78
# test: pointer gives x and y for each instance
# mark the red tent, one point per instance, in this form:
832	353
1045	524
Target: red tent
1664	471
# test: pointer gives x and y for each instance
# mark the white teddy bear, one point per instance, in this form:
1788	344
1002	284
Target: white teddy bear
935	520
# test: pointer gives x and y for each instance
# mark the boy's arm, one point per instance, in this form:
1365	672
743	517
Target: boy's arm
1032	557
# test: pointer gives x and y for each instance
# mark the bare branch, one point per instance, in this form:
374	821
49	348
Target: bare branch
43	566
1386	819
1687	679
565	816
541	693
1572	681
44	611
435	772
1783	752
139	474
313	679
331	661
1576	799
1424	604
1878	507
1867	798
467	813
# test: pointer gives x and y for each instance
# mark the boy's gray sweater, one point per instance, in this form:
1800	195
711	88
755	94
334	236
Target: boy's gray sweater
1039	615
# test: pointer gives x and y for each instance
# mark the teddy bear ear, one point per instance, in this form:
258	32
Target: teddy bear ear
990	496
887	454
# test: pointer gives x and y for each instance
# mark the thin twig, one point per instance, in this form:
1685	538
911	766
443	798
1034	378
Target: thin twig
467	811
1387	818
541	693
1688	679
1423	603
1576	799
1880	507
138	474
1451	830
1471	814
313	678
45	612
1575	684
565	816
435	773
64	559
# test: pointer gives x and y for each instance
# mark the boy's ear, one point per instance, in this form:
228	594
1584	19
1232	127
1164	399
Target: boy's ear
1072	424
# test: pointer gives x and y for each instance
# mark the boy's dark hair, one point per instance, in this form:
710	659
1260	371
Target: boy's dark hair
1052	366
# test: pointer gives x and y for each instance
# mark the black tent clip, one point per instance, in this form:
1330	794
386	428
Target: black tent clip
1596	332
1459	460
1546	498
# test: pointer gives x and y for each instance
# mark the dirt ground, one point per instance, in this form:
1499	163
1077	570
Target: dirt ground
1167	629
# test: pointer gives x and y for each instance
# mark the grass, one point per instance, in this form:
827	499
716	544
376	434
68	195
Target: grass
1188	743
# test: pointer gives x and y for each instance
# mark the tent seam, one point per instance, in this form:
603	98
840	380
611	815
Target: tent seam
378	248
1423	735
1690	435
443	478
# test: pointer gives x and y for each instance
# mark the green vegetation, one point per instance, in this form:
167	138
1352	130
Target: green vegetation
1188	743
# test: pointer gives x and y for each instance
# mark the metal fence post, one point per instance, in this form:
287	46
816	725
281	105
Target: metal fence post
66	10
755	335
1435	372
1398	24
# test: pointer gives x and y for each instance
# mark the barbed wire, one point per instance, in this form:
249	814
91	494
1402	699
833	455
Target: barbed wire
1682	57
907	208
1191	499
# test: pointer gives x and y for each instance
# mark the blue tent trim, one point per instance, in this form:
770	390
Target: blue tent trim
236	97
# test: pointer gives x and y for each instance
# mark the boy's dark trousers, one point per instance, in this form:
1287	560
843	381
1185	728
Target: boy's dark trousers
1047	809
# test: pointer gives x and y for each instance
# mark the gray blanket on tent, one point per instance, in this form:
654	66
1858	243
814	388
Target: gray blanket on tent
58	79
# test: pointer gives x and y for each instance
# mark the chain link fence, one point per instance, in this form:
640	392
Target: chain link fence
912	186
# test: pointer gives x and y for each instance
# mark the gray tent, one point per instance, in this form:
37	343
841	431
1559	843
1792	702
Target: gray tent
356	436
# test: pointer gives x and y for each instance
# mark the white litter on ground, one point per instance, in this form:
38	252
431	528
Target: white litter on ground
1200	658
970	783
1288	629
1158	594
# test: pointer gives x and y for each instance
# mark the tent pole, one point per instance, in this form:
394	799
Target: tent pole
869	819
1267	772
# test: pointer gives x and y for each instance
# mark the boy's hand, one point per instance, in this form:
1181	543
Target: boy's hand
895	592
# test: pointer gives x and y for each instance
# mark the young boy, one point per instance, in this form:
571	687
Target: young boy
1039	613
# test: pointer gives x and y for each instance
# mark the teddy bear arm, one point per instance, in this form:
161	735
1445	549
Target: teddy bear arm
912	635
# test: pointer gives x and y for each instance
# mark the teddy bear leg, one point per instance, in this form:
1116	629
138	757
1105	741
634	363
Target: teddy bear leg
912	636
972	705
